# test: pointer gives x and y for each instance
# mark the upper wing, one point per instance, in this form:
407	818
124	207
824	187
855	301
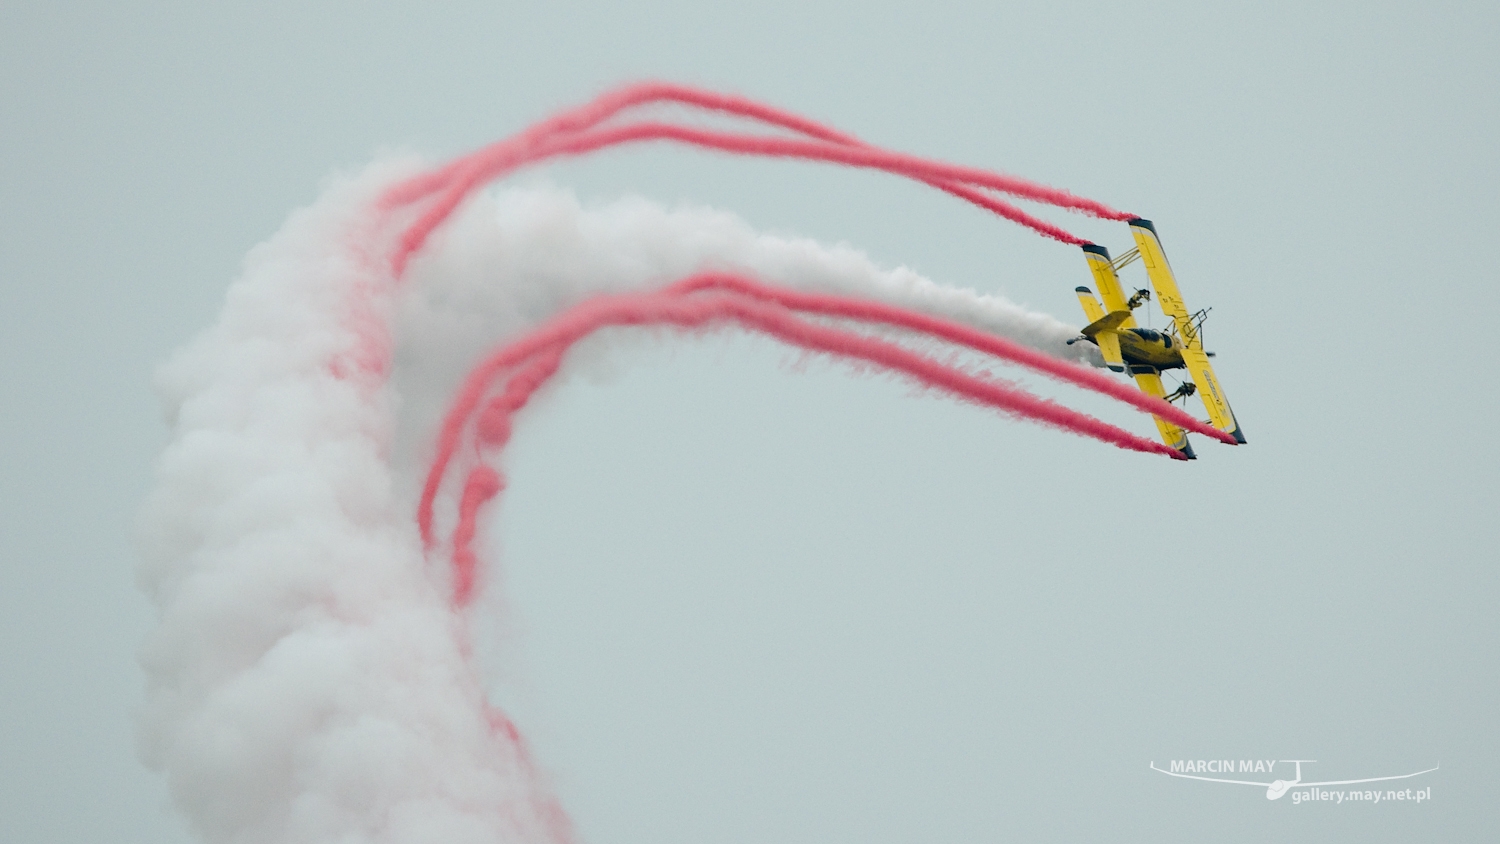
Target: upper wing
1160	273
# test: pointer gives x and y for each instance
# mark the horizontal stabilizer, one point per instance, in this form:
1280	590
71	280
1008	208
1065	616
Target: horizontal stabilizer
1108	322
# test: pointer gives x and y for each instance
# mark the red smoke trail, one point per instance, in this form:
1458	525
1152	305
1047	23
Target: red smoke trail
609	105
953	332
730	299
493	429
511	153
573	133
484	168
612	103
534	357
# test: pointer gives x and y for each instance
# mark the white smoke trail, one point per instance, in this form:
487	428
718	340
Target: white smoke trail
308	681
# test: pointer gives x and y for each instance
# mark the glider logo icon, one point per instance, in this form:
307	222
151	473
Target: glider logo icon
1277	788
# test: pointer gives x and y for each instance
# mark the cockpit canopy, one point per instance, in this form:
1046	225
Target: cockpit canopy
1151	335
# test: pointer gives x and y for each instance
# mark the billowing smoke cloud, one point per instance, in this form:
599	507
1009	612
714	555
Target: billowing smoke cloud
307	683
310	680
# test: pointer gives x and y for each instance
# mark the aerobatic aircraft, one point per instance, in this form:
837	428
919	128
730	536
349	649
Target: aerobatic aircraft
1145	352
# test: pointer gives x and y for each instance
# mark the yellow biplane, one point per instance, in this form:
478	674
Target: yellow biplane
1143	352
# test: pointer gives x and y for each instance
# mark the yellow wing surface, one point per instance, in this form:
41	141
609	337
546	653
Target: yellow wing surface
1150	383
1109	344
1114	300
1090	305
1103	328
1193	356
1107	282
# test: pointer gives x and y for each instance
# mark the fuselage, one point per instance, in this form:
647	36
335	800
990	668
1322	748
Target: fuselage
1149	347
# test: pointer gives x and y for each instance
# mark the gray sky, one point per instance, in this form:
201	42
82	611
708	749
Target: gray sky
808	607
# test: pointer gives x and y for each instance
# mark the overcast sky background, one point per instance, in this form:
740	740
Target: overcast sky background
757	603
